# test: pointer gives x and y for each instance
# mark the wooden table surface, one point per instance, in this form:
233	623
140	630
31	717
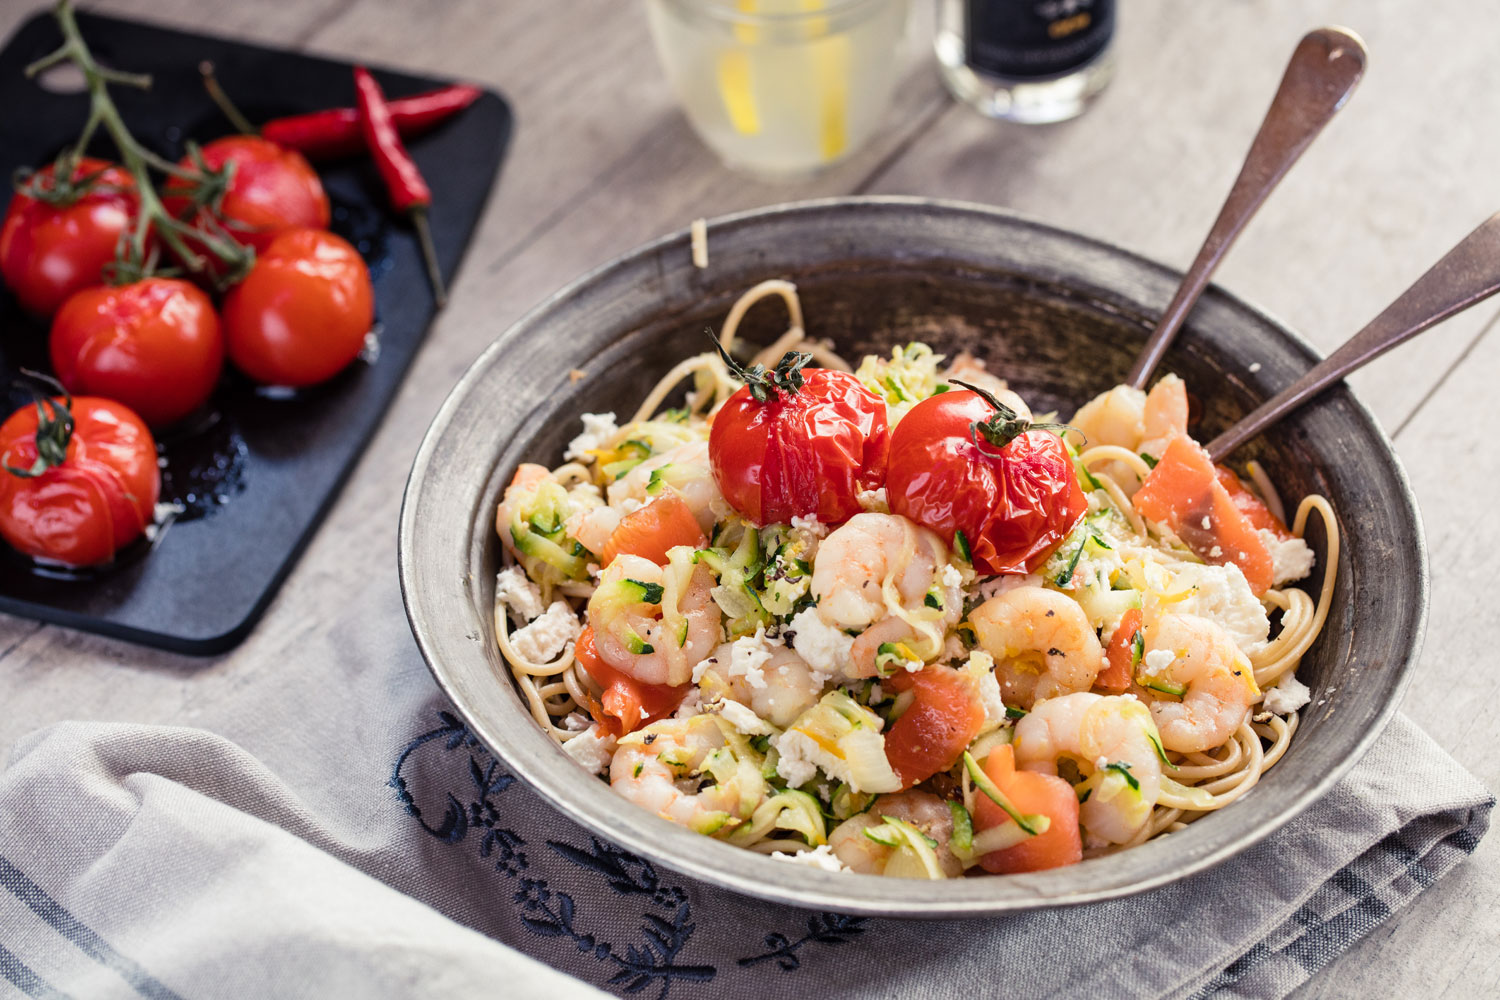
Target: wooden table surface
603	160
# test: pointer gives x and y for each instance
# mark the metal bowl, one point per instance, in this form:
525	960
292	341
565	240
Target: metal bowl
1061	317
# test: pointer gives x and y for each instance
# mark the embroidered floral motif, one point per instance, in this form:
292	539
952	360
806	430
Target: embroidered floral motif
546	911
825	928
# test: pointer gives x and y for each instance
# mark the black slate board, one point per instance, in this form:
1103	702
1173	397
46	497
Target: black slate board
262	470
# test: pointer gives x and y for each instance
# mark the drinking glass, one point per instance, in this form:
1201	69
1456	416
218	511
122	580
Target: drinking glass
780	87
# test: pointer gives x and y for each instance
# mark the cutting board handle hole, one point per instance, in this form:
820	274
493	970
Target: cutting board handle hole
64	78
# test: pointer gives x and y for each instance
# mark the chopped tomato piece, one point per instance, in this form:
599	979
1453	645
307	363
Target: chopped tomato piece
1031	792
942	720
1251	505
652	530
1116	677
626	704
1184	493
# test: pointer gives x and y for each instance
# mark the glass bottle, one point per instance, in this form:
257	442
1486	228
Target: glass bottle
1032	61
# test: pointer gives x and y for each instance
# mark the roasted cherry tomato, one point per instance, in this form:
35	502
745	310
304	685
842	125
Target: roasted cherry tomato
798	441
76	488
963	461
943	719
50	249
626	704
302	313
153	345
1184	492
272	190
1036	794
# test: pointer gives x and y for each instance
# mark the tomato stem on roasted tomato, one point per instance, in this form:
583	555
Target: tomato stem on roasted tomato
988	480
797	441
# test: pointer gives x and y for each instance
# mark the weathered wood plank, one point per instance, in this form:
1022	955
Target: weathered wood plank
1395	180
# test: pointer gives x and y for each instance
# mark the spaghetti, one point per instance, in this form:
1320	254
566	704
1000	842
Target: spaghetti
779	732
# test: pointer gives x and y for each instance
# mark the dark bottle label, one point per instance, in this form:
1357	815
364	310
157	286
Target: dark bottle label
1036	38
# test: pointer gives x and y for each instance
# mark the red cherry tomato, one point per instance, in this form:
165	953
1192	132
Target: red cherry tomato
301	314
1030	792
153	345
98	489
943	719
49	251
272	190
799	442
1014	497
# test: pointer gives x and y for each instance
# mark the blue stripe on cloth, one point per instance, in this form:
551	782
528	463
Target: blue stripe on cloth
70	927
26	980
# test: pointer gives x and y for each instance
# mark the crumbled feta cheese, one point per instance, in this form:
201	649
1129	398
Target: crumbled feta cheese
544	638
1291	558
981	667
597	428
748	656
703	666
520	596
629	505
1221	594
576	722
1287	695
1157	660
825	648
811	525
874	500
593	748
1101	762
821	857
1216	552
1207	523
743	718
795	757
950	577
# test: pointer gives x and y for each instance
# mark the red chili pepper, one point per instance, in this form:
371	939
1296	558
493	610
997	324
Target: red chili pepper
326	135
403	181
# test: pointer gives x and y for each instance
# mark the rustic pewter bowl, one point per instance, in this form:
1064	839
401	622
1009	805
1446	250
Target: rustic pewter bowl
1061	317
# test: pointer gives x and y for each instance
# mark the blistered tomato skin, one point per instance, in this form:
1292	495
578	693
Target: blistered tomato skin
48	252
808	452
153	345
98	500
1014	503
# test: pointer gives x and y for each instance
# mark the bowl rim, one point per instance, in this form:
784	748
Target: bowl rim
700	857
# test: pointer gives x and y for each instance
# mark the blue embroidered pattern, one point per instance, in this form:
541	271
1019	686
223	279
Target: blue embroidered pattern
548	912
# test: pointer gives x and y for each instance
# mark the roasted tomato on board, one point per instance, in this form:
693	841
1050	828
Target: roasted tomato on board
270	190
798	441
59	241
153	345
80	479
301	314
964	462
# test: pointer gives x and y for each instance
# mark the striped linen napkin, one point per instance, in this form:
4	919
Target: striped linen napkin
393	856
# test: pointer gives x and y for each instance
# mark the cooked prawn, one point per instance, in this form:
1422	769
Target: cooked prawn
922	810
1042	643
687	771
1164	416
1109	739
1196	654
967	368
654	641
778	689
686	469
876	567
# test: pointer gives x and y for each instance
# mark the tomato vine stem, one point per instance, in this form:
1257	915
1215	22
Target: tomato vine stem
134	258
